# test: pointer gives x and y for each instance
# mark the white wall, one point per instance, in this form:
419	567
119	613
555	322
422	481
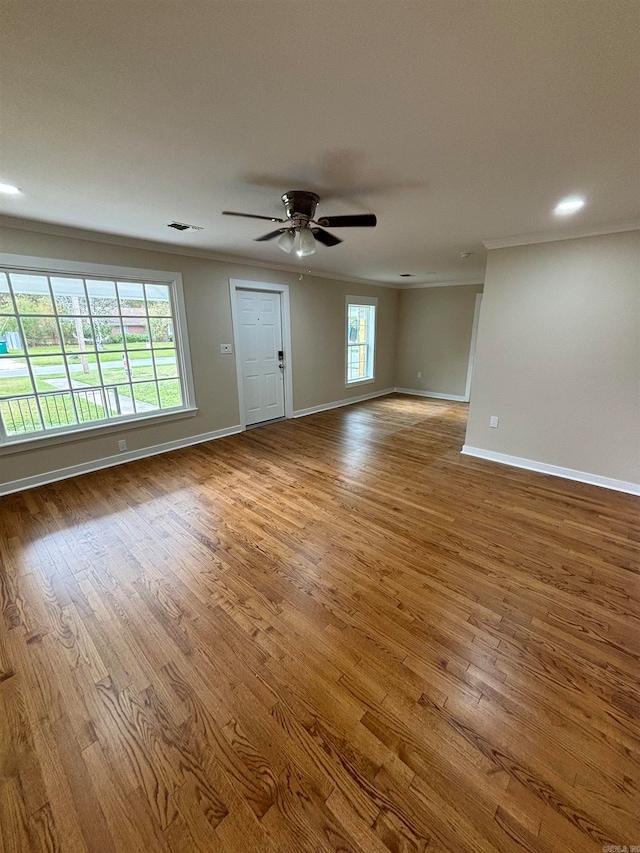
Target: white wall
558	356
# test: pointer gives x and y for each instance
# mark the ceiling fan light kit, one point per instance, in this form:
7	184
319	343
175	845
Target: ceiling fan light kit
300	209
286	241
306	243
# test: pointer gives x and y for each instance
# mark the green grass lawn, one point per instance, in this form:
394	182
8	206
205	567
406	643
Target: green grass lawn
111	352
24	417
58	411
11	386
15	385
56	352
170	395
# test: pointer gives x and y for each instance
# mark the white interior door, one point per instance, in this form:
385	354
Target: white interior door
260	328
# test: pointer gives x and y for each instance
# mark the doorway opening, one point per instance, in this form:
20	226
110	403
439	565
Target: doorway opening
262	341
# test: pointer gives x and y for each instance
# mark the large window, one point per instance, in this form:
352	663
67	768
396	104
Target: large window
361	331
79	351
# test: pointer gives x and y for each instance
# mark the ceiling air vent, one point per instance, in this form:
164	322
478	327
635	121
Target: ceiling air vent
182	226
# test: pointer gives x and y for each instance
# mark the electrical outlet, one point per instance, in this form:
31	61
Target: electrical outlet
493	421
122	444
419	374
225	349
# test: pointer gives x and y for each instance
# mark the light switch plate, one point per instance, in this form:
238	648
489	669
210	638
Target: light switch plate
225	349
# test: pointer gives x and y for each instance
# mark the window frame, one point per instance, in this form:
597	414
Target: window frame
361	301
52	266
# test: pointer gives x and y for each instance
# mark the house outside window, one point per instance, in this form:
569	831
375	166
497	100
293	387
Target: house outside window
79	350
360	339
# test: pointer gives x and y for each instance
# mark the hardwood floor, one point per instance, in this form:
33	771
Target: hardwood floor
335	633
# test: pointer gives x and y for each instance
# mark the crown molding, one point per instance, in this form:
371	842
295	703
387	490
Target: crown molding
554	236
51	229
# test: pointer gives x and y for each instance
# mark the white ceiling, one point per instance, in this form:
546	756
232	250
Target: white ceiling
455	121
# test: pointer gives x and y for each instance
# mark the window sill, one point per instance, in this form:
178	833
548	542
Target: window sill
359	382
43	440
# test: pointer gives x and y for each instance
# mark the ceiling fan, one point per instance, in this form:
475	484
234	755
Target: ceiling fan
300	209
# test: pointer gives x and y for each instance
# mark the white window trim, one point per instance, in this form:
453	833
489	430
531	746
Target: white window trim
174	280
359	300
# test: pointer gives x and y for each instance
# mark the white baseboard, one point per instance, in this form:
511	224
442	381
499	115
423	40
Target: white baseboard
434	394
313	410
554	470
110	461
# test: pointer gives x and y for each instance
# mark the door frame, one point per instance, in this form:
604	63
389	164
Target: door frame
236	284
472	348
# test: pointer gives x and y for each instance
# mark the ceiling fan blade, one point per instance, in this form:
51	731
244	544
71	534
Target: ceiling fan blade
252	216
324	237
271	234
361	220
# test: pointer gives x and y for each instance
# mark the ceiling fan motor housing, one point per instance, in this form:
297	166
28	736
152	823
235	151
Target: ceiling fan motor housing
300	206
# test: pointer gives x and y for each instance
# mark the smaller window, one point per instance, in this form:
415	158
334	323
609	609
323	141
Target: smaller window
361	329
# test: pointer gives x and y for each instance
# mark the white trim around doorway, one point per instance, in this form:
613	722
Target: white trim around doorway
236	284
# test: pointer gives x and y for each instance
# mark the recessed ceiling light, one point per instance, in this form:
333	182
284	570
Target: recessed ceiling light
9	189
568	206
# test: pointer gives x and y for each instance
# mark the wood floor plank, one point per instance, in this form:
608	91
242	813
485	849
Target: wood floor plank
333	633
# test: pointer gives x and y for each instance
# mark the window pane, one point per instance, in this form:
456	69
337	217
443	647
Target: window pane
77	334
119	400
90	404
145	396
57	410
358	316
115	370
140	364
6	303
20	415
356	362
14	377
131	298
50	373
69	296
166	363
119	367
108	333
158	301
170	395
32	293
11	335
83	369
136	333
161	331
41	334
102	297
